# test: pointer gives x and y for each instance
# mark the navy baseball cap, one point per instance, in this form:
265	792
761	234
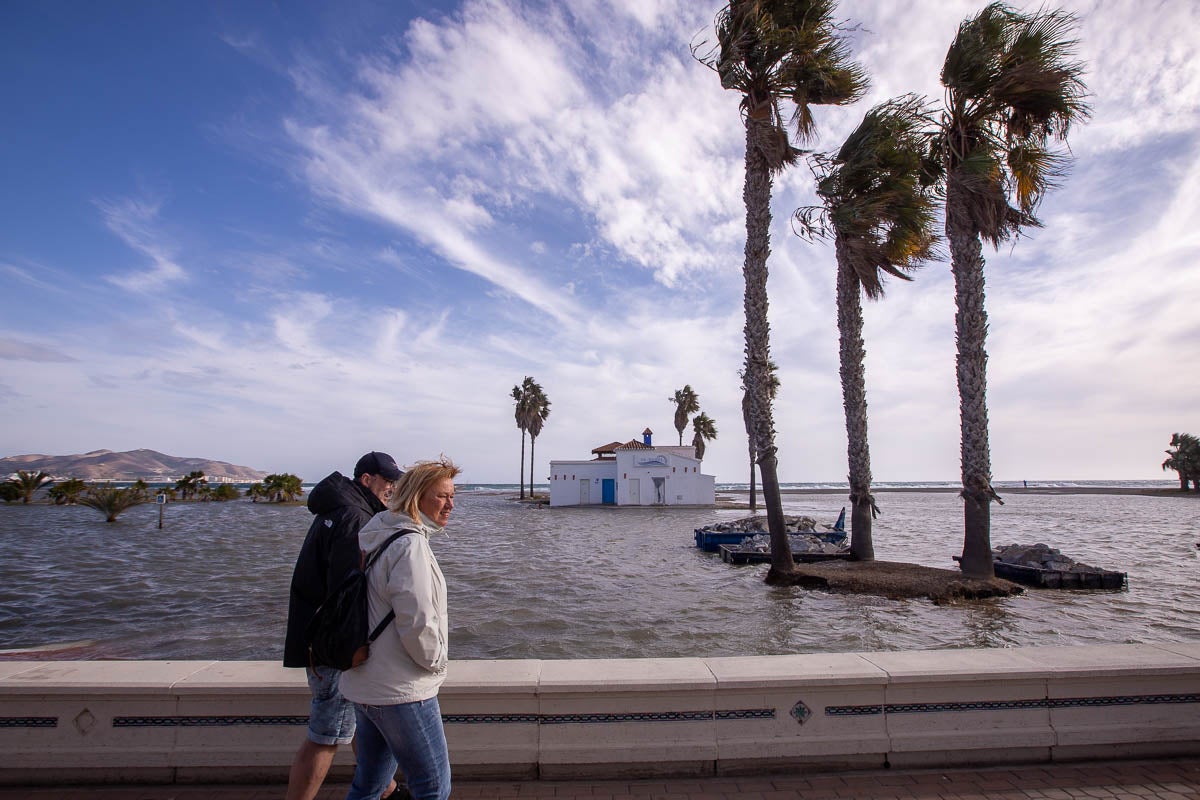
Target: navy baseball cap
376	463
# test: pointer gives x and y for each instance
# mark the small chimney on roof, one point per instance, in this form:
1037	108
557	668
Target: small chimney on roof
646	434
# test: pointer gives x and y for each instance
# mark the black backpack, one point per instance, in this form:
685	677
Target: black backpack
338	635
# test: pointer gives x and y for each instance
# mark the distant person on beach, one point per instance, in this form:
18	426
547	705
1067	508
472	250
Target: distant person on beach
330	550
395	691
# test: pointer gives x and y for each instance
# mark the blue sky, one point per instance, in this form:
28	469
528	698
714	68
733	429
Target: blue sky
283	234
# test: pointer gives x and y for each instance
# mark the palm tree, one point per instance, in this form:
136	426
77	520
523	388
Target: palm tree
282	487
30	482
687	402
521	413
704	429
769	51
879	206
1184	459
538	413
223	492
1012	84
256	491
67	492
9	491
190	484
111	501
773	389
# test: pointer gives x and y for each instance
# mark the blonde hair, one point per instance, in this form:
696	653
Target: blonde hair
406	496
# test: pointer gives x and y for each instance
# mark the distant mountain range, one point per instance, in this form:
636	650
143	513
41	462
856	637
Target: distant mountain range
105	465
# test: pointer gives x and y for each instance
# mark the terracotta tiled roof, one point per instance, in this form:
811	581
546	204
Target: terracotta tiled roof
606	448
634	444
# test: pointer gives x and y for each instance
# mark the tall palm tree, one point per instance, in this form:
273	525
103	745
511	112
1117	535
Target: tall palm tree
521	413
539	412
879	205
529	399
771	51
704	429
687	402
773	389
1012	83
30	482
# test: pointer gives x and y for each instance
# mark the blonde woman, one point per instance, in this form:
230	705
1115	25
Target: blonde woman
395	691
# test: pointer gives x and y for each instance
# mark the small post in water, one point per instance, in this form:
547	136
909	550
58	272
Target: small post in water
161	499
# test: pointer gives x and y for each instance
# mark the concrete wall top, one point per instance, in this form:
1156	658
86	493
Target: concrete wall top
1031	663
264	677
108	677
665	675
626	675
1190	649
492	677
773	672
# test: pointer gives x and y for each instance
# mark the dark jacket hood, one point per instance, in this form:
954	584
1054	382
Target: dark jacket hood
336	491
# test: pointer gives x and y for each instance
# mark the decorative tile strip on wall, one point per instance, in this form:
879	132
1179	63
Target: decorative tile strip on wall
1132	700
203	722
648	716
28	722
1012	705
453	719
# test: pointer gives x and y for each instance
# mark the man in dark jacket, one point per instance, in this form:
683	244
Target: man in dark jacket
330	550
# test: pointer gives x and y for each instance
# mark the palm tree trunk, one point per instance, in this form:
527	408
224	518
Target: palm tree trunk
760	139
854	400
746	418
970	320
523	465
532	442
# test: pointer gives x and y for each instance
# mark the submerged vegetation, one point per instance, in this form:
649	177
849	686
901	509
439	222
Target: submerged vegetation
112	500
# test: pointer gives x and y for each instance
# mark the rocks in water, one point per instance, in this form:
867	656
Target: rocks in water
800	543
759	523
1041	556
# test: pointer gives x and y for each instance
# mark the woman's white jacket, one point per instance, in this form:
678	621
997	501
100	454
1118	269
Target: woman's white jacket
408	661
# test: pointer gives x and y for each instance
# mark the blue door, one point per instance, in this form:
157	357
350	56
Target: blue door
608	491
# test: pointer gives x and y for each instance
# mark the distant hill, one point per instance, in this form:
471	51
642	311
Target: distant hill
105	465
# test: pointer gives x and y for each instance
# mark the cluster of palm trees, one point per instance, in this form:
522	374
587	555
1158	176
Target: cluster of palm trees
1184	458
275	488
1012	85
191	484
111	501
704	427
532	411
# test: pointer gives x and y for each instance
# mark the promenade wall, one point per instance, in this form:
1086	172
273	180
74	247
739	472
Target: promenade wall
222	721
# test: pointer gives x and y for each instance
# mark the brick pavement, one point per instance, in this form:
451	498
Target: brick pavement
1169	779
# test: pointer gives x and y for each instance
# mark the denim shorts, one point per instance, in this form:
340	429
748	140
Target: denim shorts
331	716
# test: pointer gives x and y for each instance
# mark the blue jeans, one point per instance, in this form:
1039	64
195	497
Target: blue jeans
330	716
409	735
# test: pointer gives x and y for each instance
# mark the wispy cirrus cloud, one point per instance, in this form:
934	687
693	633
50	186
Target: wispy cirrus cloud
12	349
134	221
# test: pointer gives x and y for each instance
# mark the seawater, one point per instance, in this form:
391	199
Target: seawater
534	582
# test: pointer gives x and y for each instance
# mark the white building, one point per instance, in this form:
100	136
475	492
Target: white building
633	473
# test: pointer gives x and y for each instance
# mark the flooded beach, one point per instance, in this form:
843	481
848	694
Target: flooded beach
528	581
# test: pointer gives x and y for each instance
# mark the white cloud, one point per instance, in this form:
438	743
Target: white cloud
134	222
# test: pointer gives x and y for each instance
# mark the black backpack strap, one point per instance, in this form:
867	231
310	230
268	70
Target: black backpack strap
375	554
